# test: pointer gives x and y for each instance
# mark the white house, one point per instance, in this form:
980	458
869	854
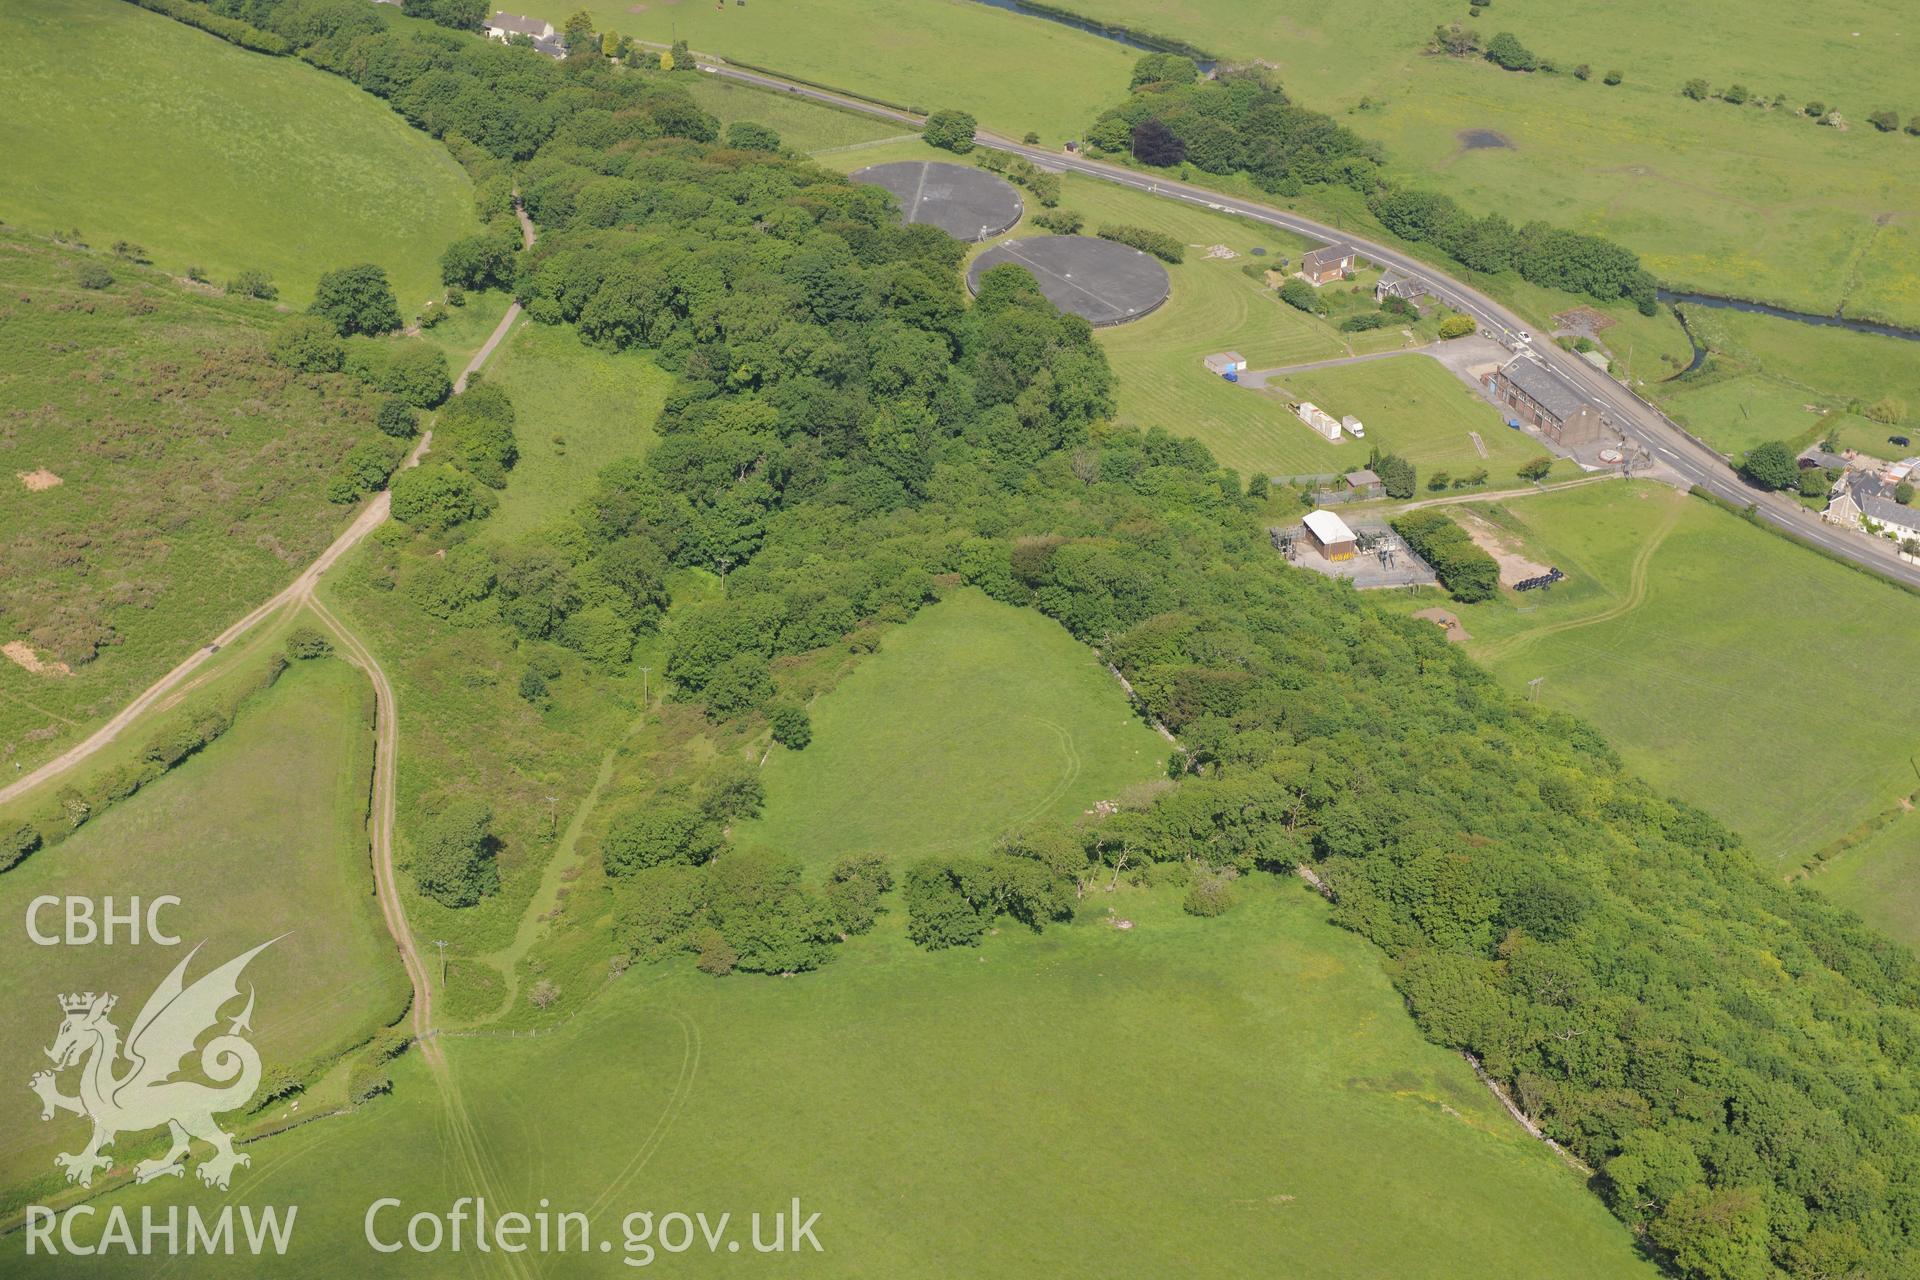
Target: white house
1866	502
1319	419
1888	518
504	26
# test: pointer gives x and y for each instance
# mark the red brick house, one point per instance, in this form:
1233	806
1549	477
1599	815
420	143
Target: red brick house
1328	263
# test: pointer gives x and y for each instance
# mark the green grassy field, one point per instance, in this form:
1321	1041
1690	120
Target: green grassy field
1413	406
1248	1088
576	409
1737	411
1015	73
261	834
464	328
1727	199
1774	379
131	126
802	124
1851	431
1728	666
1013	721
1880	878
193	476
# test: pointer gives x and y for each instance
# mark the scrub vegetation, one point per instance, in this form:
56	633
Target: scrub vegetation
847	441
162	476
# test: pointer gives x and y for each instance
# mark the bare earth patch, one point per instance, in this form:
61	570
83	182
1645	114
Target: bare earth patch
1583	320
1514	567
1446	621
39	479
22	655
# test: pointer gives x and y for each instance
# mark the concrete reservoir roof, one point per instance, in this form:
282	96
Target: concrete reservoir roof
1099	280
966	203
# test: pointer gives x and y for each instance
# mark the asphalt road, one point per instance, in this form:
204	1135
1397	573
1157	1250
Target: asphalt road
1639	421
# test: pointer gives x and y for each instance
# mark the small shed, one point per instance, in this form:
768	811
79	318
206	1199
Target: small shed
1330	535
1825	461
1365	484
1226	362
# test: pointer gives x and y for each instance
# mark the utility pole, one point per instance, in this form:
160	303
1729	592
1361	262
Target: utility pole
553	814
1533	688
440	943
644	700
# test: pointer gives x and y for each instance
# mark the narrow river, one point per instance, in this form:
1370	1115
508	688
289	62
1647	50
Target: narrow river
1804	317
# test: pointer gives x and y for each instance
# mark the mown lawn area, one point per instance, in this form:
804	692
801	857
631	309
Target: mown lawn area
159	477
261	834
1413	406
1729	667
1014	72
972	719
131	126
1249	1088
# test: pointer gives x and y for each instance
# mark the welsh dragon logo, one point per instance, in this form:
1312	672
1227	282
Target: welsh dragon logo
146	1094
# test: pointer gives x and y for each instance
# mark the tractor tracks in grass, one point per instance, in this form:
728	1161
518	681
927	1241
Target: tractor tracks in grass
461	1136
663	1124
1071	765
1637	587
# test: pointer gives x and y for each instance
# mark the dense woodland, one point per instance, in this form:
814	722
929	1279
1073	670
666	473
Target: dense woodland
849	437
